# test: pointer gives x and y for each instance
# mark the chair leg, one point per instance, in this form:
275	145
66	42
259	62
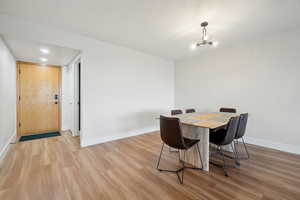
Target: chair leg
246	150
235	154
183	166
180	178
236	157
248	156
200	156
224	163
225	166
172	171
162	148
196	168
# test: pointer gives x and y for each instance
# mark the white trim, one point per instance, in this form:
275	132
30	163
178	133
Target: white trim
117	137
274	145
76	111
7	146
77	57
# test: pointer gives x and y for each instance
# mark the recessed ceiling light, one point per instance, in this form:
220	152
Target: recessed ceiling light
43	59
45	51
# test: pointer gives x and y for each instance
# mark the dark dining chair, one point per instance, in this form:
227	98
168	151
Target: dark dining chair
241	132
223	137
229	110
171	135
176	112
190	110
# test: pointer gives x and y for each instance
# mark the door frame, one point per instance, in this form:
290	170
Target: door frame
18	93
77	96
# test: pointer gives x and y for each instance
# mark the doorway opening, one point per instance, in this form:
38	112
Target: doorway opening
77	97
48	83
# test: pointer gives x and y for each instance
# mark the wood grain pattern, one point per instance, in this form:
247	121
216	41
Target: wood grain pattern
207	116
58	169
210	124
37	111
205	120
196	126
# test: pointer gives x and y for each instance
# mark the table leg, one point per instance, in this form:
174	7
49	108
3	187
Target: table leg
204	149
192	155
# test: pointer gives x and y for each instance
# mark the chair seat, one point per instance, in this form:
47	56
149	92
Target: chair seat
189	142
217	137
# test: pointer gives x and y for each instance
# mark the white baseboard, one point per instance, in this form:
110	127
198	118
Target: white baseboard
94	141
274	145
7	146
250	140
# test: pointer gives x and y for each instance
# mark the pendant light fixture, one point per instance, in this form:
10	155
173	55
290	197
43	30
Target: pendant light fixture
205	38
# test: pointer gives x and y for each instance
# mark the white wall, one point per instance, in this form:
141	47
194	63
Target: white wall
259	77
123	90
7	98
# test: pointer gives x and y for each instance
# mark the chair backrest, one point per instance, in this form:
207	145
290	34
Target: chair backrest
176	112
231	131
242	126
190	110
170	132
229	110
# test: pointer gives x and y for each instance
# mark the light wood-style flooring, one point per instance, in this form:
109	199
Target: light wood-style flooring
58	169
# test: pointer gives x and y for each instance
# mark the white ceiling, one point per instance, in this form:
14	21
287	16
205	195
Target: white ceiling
161	27
30	51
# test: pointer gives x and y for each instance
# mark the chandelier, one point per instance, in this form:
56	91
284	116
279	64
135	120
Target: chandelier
205	39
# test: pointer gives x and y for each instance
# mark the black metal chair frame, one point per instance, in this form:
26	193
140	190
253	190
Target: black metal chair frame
178	112
220	151
240	135
236	144
229	110
183	164
190	110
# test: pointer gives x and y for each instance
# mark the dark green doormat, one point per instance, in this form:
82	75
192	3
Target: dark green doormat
39	136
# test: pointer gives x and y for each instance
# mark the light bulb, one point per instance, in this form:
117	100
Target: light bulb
43	59
45	51
193	46
215	43
206	37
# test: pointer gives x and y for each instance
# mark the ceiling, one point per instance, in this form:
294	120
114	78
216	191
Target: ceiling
164	28
30	51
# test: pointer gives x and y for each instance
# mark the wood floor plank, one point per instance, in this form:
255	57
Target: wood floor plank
57	168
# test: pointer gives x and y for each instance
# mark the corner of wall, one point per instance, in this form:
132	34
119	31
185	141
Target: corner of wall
7	146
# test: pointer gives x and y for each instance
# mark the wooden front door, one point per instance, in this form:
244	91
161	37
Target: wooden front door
39	98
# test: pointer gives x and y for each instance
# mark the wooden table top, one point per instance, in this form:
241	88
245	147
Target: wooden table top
205	120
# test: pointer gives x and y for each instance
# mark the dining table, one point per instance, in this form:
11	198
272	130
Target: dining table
198	125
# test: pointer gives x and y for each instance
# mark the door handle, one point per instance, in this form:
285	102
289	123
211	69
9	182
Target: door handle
56	98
